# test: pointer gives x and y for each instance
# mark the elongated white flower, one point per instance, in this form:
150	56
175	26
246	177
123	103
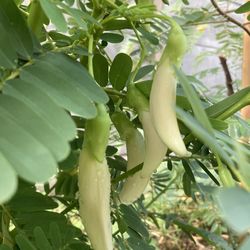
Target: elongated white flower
155	149
162	108
134	185
94	182
150	151
94	201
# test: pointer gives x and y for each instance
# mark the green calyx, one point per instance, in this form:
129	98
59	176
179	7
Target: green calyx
136	99
123	125
97	133
176	44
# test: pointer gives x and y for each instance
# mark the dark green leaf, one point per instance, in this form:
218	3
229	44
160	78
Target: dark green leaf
187	185
117	25
41	240
111	150
100	66
43	219
188	170
133	220
145	87
112	37
16	29
31	201
208	172
24	243
123	227
165	1
70	162
60	39
143	71
182	102
148	35
120	71
185	2
243	8
55	235
118	163
170	165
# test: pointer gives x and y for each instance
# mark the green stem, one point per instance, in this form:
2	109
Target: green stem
7	213
90	55
97	129
7	240
142	53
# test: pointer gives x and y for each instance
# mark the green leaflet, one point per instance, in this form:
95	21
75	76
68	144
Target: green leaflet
8	180
35	128
15	35
55	14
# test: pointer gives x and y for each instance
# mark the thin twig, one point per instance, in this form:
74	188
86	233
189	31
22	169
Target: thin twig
205	22
246	23
229	18
6	211
229	81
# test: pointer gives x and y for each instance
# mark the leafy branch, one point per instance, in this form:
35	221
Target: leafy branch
229	18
